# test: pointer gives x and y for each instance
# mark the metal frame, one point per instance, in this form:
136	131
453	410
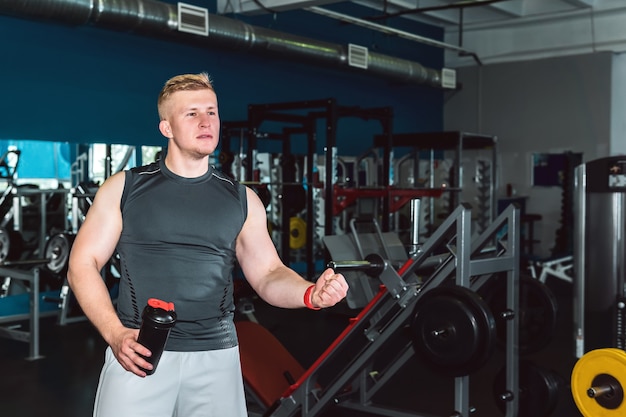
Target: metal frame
442	141
44	196
302	117
330	111
561	268
30	336
349	360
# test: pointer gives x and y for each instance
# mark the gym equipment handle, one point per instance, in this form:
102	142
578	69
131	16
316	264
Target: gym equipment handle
373	265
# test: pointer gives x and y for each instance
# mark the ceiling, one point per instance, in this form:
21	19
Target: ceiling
483	31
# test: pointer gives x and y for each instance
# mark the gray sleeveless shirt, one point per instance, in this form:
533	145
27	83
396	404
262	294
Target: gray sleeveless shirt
178	245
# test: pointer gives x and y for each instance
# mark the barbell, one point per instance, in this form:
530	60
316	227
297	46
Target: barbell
55	256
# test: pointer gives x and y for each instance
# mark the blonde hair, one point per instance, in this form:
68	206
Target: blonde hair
183	82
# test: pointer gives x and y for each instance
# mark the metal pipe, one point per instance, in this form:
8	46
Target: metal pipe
385	29
160	20
415	225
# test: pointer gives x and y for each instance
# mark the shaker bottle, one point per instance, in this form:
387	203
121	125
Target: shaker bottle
158	318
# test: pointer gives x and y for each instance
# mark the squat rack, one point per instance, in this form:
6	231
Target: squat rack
301	117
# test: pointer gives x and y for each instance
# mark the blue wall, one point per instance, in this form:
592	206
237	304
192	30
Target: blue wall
87	85
40	159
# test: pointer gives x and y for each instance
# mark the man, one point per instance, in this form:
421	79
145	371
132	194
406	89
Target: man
179	227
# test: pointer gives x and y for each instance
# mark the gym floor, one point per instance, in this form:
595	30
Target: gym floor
63	382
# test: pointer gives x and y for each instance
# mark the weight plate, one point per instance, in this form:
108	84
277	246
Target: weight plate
538	390
538	309
226	157
603	371
5	244
453	330
293	198
11	244
57	251
297	233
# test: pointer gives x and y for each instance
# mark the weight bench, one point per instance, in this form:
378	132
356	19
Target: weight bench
268	367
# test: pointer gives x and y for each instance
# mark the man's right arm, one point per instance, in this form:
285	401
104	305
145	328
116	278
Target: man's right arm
93	246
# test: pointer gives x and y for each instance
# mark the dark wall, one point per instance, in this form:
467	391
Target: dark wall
86	84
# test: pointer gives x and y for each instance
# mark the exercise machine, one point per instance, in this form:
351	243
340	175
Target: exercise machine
438	308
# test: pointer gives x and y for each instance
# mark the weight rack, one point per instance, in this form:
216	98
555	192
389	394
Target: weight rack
344	374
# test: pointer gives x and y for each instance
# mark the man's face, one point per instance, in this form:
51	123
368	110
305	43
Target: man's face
192	121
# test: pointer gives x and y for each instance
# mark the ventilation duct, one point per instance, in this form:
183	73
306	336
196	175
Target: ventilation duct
158	19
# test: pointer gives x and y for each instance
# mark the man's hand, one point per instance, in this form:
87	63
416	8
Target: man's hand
330	288
127	351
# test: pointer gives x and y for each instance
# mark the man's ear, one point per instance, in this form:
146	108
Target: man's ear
165	128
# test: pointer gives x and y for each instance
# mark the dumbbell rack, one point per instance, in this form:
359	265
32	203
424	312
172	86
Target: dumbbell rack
344	374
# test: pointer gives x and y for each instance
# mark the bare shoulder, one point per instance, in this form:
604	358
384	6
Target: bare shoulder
256	219
254	202
111	190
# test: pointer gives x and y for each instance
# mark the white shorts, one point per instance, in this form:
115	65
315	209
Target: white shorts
185	384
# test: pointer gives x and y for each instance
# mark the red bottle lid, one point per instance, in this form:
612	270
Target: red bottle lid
156	303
